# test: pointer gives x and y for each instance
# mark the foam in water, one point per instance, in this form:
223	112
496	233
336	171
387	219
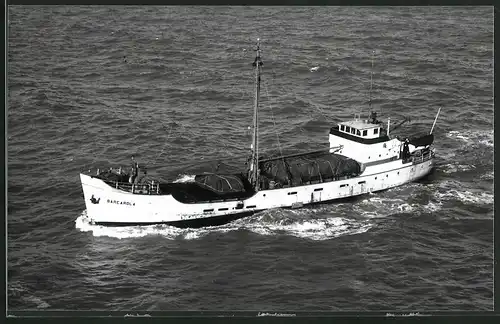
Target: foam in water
453	190
185	178
455	167
432	207
83	224
481	198
487	176
317	229
473	137
314	229
40	303
378	207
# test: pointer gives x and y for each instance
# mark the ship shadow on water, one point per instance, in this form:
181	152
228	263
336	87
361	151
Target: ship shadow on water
429	178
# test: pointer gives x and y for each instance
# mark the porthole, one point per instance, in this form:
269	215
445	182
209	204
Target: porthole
387	176
375	178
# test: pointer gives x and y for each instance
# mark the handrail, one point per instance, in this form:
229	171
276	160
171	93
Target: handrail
420	158
149	188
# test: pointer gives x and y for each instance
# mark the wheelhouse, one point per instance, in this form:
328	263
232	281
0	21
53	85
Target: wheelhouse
360	128
362	131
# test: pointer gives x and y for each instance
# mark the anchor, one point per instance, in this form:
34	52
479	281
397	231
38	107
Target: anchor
94	201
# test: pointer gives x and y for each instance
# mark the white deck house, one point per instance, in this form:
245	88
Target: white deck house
364	141
360	128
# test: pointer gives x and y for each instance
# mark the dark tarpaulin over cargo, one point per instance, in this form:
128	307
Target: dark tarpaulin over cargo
299	169
221	183
422	140
209	187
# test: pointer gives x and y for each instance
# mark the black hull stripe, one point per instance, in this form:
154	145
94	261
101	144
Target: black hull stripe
393	158
187	223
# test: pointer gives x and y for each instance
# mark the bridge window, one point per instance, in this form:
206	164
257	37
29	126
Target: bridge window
347	129
375	131
353	131
358	133
342	127
365	132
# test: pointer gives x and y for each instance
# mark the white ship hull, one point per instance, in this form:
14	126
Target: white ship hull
113	207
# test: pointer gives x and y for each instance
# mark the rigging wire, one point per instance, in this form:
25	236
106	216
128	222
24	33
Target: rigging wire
236	157
96	156
221	75
274	120
316	106
164	145
311	103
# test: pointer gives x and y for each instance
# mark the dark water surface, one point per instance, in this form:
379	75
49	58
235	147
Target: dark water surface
173	86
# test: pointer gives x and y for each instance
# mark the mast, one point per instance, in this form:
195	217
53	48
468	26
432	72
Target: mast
253	173
373	114
435	120
371	84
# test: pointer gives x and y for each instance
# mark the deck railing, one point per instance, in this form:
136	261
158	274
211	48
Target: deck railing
416	159
141	189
